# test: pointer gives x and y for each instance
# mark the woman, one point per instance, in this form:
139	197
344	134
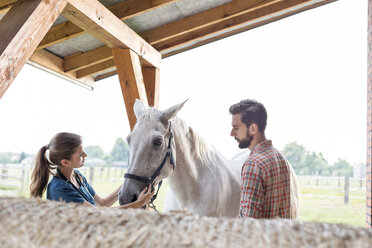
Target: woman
65	154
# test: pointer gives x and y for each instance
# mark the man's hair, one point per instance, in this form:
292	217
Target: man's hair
251	111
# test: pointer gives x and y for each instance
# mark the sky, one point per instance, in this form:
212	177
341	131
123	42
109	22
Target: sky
309	70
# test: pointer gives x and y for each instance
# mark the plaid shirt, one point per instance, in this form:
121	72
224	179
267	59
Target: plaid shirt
265	184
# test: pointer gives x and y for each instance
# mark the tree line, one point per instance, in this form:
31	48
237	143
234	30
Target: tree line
118	153
310	163
304	162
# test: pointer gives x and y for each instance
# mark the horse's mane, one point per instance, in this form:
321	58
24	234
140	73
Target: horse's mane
203	150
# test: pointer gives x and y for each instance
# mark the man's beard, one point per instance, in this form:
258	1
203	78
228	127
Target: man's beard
246	142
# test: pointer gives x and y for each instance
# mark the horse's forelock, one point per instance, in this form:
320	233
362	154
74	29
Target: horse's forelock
149	118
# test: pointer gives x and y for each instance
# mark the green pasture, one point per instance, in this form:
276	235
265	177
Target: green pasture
321	200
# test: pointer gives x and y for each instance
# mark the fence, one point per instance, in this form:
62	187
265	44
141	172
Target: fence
16	177
346	184
331	181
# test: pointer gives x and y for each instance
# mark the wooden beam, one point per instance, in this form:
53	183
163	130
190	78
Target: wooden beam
95	68
122	10
5	5
221	18
269	13
54	64
6	2
88	59
93	17
203	19
105	75
151	77
188	24
131	80
21	29
59	33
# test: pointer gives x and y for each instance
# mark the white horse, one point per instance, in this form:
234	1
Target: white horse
201	180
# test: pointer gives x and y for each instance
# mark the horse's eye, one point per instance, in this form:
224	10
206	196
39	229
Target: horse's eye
157	141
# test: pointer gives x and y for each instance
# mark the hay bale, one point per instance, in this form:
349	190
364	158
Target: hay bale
37	223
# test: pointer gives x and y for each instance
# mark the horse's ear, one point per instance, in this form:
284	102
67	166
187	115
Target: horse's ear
138	108
170	113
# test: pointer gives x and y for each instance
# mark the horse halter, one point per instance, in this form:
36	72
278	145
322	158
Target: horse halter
150	181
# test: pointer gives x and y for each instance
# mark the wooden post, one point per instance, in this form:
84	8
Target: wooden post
4	172
346	198
108	174
28	175
23	179
91	175
131	80
151	77
369	121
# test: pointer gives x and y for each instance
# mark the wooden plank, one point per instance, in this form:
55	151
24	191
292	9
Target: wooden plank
197	31
96	68
105	75
93	17
6	2
151	77
59	33
131	80
203	19
5	5
84	60
21	29
261	16
188	24
54	64
122	10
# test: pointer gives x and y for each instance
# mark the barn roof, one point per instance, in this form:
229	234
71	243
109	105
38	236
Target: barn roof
71	48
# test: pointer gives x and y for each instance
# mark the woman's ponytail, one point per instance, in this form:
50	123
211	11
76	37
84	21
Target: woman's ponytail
40	174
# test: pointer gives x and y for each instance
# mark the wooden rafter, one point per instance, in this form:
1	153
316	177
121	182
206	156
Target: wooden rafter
5	5
188	24
95	18
203	19
249	20
122	10
131	80
88	59
21	29
243	15
54	64
109	64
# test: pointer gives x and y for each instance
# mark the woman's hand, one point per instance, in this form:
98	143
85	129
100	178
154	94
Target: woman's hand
145	197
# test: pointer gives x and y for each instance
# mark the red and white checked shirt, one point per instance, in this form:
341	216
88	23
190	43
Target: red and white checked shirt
265	184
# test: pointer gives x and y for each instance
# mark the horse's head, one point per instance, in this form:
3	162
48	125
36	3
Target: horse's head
148	145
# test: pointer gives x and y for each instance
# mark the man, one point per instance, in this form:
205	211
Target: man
266	173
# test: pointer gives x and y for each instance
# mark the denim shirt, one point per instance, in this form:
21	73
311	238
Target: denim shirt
60	190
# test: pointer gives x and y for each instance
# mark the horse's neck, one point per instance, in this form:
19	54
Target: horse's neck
191	170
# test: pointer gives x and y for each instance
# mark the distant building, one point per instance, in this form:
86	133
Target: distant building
28	160
359	170
95	162
120	164
15	158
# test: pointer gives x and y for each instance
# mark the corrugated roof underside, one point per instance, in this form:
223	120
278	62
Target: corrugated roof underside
143	22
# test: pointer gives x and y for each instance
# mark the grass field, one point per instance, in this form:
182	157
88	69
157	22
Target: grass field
321	200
